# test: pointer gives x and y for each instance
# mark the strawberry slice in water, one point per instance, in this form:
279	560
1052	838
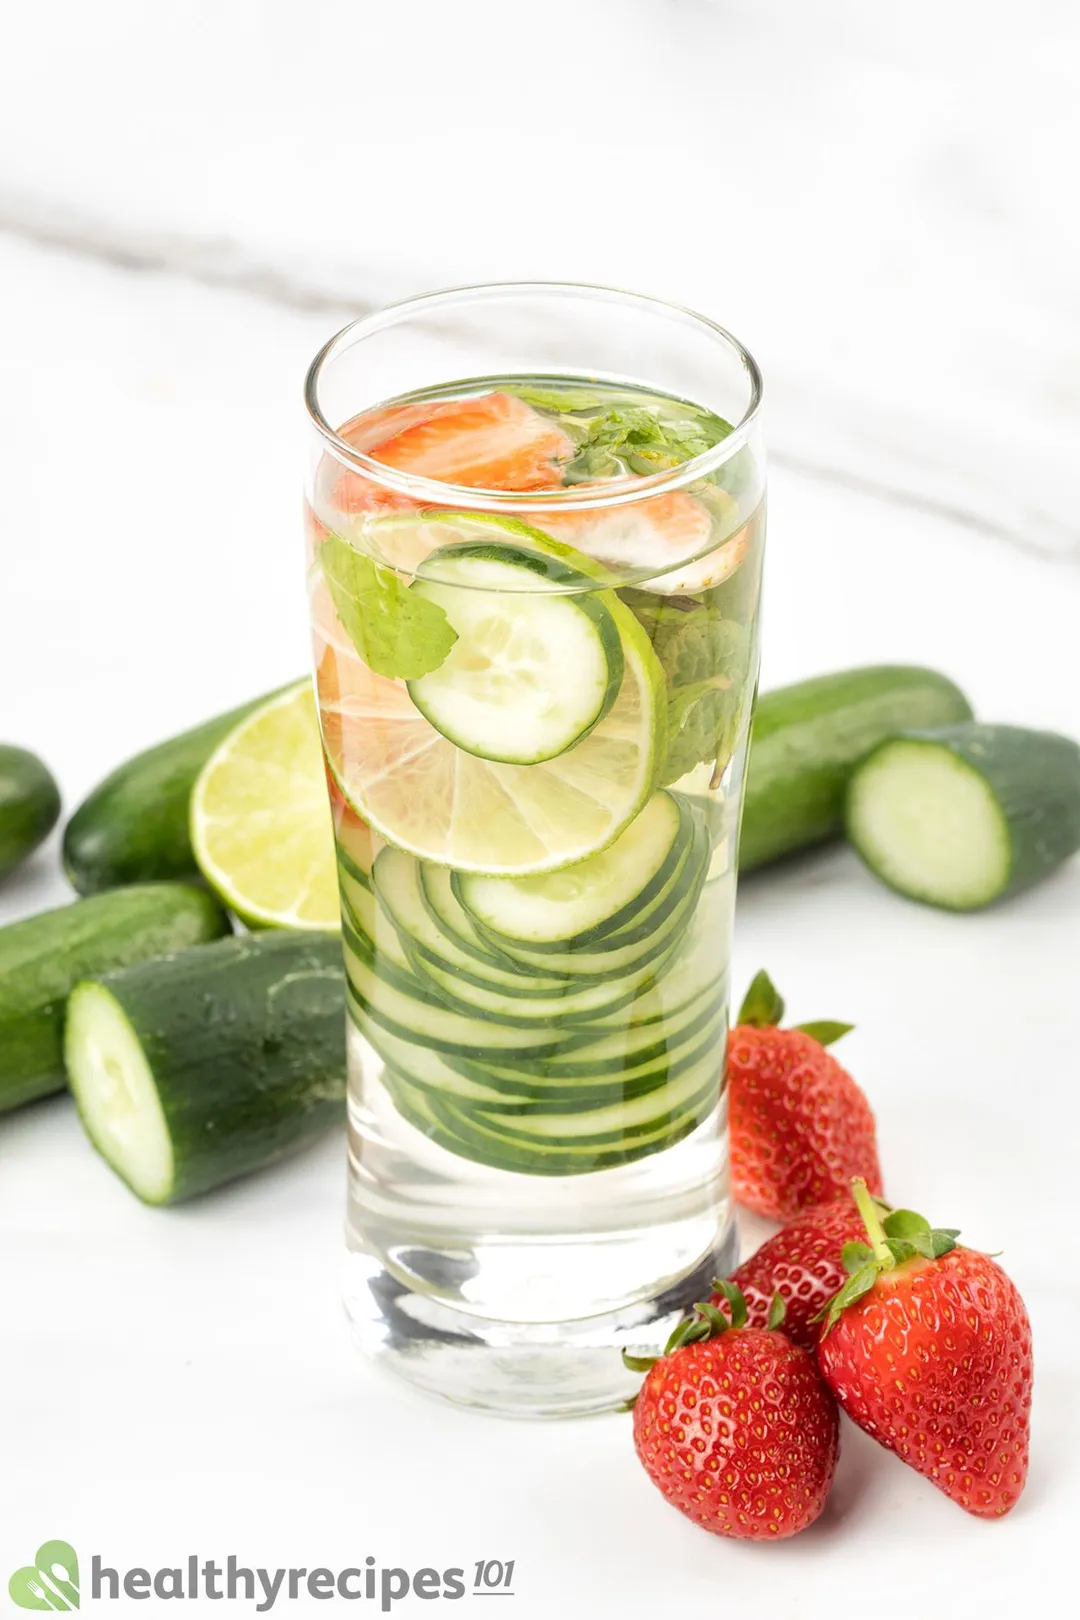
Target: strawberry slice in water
352	493
492	442
667	533
495	441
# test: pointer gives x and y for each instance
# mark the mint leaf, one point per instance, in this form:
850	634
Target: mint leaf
632	439
558	399
705	658
702	725
396	633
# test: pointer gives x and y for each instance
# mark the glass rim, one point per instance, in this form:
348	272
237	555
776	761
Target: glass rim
434	492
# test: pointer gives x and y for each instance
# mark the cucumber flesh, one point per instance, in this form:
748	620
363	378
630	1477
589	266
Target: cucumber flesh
121	1109
588	1033
531	672
399	883
587	900
961	816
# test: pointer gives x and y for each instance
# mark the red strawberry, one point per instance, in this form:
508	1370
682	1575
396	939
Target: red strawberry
735	1427
800	1126
491	441
802	1262
494	441
928	1348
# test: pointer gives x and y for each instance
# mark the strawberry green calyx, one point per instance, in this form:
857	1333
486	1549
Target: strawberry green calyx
763	1008
763	1005
707	1322
894	1237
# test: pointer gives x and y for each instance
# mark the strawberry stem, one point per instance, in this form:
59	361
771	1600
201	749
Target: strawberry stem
872	1221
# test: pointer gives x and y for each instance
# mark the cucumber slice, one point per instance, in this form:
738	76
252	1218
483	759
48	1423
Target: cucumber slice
417	790
202	1066
515	998
402	1006
593	1001
531	672
630	1047
607	1122
398	881
431	1071
582	903
964	815
495	1144
628	949
451	916
702	1038
367	918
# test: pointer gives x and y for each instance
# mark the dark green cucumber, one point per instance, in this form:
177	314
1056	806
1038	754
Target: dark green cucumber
43	957
205	1065
29	805
808	738
133	827
961	816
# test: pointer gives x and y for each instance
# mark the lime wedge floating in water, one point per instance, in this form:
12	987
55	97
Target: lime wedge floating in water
420	792
260	819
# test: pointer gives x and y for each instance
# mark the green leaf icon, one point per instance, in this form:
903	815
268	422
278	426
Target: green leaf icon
51	1583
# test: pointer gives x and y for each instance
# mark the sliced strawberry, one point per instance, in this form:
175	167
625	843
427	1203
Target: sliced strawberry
495	441
373	428
656	533
352	493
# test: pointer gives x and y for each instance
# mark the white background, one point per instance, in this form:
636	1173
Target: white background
191	198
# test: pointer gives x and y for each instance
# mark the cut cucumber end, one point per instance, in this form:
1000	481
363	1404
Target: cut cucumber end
115	1093
928	824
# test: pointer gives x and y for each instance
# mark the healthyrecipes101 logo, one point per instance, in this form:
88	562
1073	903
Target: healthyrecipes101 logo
50	1582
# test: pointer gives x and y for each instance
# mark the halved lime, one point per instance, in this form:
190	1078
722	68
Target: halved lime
260	818
419	791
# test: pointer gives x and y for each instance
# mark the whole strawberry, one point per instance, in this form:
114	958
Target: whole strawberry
803	1263
800	1126
735	1426
927	1347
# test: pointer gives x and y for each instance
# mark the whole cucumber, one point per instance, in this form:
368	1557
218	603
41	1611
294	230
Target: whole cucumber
133	827
42	957
29	805
808	738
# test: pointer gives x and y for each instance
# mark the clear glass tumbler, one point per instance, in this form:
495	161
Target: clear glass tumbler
535	519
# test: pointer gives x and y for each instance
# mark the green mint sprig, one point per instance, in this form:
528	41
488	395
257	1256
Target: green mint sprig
632	439
397	634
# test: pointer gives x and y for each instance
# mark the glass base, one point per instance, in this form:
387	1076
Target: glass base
514	1369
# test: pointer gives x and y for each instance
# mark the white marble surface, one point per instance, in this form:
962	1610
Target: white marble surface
190	199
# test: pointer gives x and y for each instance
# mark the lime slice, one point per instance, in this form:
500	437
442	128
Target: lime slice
260	819
420	792
407	541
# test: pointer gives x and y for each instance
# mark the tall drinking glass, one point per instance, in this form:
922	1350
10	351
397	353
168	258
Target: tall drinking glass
535	519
